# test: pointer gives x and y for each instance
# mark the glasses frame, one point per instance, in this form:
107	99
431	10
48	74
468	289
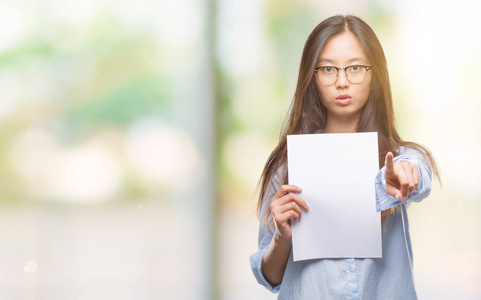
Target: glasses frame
337	72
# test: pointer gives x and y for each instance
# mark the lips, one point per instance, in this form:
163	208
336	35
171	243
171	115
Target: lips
343	99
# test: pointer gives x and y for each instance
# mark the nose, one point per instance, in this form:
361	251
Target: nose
342	81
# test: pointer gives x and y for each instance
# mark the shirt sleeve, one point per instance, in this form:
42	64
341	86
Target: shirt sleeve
266	233
385	201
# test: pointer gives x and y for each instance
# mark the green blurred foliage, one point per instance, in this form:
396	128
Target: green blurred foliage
92	78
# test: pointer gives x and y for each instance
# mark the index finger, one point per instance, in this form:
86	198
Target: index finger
294	198
284	189
389	162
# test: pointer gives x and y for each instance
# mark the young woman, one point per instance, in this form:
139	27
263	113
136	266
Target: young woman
343	86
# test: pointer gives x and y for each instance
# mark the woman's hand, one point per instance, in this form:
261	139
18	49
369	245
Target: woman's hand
402	177
286	204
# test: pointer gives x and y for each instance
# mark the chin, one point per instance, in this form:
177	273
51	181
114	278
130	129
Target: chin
347	112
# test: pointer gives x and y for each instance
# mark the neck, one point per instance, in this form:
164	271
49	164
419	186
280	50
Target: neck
339	125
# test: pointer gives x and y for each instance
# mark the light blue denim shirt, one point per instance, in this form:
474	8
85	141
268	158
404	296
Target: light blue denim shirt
389	277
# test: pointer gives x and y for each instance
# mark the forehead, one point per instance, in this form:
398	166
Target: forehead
343	48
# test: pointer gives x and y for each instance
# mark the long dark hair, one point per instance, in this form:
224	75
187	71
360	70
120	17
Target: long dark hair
307	114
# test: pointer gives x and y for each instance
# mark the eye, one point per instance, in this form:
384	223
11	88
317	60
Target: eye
327	70
355	68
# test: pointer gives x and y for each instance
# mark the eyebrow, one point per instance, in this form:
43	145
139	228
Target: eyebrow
349	61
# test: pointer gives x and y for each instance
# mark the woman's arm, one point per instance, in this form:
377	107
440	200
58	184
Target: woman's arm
274	260
285	205
269	263
405	178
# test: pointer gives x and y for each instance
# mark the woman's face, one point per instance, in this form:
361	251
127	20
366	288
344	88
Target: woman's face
343	99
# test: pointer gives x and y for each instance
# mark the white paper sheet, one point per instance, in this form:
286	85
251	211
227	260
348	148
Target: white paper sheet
336	173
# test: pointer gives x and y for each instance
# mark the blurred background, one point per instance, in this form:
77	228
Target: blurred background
133	134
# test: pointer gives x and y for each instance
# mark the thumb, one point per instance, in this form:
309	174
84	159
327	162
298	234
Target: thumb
394	192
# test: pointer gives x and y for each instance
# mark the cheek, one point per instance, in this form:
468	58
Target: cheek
366	91
323	93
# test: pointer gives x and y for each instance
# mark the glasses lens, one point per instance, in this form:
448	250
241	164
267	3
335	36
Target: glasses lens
327	76
356	74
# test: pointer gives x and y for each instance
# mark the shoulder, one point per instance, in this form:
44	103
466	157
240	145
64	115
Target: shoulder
277	179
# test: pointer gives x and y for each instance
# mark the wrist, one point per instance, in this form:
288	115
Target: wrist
281	239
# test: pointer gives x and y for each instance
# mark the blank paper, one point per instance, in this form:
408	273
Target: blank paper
336	173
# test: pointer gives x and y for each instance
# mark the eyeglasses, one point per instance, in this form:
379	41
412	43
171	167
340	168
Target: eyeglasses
328	75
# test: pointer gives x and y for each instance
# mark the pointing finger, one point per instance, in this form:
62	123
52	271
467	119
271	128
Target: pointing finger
389	162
